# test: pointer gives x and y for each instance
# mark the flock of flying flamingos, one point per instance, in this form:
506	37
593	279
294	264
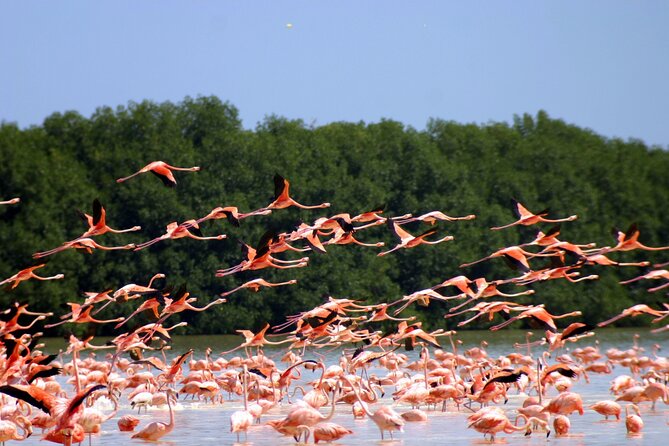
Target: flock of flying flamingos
33	398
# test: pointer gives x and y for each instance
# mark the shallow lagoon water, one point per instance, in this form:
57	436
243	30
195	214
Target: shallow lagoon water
199	423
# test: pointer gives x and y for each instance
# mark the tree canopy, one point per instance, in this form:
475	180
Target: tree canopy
460	169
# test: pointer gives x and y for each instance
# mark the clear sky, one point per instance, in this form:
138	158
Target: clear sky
600	64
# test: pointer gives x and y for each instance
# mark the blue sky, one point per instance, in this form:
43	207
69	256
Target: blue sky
598	64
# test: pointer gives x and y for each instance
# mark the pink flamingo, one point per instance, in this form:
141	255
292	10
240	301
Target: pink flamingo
162	170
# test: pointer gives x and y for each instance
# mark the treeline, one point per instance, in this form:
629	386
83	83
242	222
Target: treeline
460	169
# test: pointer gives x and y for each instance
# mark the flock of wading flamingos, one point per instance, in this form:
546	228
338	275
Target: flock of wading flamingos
33	398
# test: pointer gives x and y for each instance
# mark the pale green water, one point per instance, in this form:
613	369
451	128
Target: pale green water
199	423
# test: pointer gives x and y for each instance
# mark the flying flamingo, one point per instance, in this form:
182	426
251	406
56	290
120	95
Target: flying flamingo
188	229
628	241
423	298
634	310
409	241
655	274
261	258
282	197
97	222
255	285
28	273
81	314
82	244
514	255
527	218
539	314
232	214
12	201
433	217
601	259
255	340
156	430
162	170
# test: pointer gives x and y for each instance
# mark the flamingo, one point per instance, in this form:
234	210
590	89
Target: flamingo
162	170
491	422
561	425
655	274
327	432
633	422
232	214
514	255
539	314
607	408
282	197
634	310
81	314
97	222
628	241
28	273
241	420
302	415
255	285
156	430
527	218
565	403
385	418
82	244
9	428
409	241
188	229
434	216
601	259
127	423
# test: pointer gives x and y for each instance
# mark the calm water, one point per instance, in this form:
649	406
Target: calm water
199	423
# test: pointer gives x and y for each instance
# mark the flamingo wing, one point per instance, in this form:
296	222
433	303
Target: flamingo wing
32	395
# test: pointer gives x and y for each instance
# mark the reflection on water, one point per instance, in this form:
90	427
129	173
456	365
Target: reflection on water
199	423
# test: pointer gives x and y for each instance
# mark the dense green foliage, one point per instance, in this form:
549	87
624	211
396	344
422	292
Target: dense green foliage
67	162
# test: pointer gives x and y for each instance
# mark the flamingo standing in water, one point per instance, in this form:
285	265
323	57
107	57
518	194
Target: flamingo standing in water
385	418
162	170
241	420
9	429
633	422
282	197
492	422
156	430
527	218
